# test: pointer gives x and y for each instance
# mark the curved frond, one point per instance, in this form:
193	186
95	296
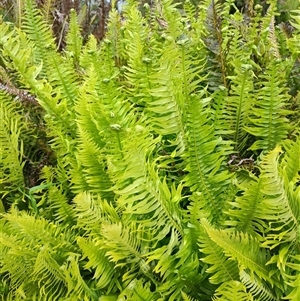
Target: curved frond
143	195
232	291
256	288
219	266
242	247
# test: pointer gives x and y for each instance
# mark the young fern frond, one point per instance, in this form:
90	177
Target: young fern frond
74	39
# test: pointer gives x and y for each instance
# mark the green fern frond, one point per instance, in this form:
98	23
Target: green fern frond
290	164
232	291
122	245
235	105
268	119
138	290
105	274
205	158
143	195
186	297
295	280
93	122
93	211
59	206
283	226
37	248
38	31
74	39
48	275
222	270
11	146
256	288
239	102
242	247
246	207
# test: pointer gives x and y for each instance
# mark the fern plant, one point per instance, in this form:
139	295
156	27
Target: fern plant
174	171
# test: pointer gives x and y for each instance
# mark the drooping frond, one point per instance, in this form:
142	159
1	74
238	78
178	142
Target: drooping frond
290	164
138	290
247	207
93	211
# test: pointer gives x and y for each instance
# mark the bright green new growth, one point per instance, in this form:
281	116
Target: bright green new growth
176	158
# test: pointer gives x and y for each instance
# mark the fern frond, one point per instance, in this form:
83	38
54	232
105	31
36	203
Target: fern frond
74	39
123	247
143	195
256	288
284	224
32	253
138	290
105	274
38	31
205	160
11	146
59	206
268	119
93	122
290	164
295	279
232	291
246	207
48	275
93	211
222	270
243	248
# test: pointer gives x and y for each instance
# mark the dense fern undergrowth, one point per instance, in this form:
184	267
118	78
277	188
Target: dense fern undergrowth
162	163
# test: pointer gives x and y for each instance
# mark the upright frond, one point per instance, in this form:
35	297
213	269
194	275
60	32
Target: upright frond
268	119
11	146
205	159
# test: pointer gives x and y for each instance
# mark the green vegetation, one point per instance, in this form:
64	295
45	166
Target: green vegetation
160	163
